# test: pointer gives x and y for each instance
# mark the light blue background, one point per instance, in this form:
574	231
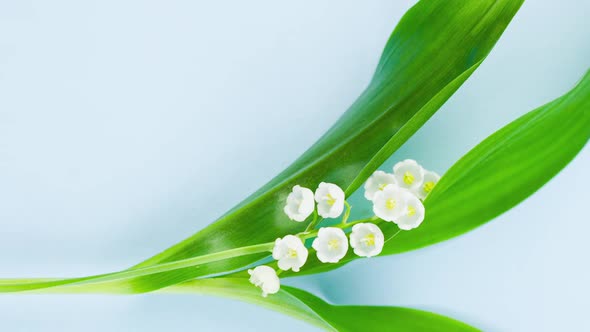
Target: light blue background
127	126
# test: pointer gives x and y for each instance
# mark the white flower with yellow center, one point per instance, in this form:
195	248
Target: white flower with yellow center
367	239
290	253
408	174
331	244
390	203
265	278
377	182
430	180
330	200
300	203
413	215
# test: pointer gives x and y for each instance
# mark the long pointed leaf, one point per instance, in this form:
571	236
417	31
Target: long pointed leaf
303	305
433	50
295	303
497	174
504	169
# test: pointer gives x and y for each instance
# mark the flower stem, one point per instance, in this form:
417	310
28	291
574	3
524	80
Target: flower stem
9	286
16	285
346	213
313	223
308	235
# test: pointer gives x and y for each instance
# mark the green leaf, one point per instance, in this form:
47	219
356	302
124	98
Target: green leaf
290	301
305	306
496	175
433	50
504	169
521	157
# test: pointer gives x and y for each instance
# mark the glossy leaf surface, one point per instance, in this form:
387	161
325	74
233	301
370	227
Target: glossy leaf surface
433	50
500	172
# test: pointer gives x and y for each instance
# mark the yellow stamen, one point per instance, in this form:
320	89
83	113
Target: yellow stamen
390	204
382	186
369	240
408	177
292	253
333	244
331	200
411	211
428	186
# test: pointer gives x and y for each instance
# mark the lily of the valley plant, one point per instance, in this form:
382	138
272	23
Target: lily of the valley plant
303	220
392	202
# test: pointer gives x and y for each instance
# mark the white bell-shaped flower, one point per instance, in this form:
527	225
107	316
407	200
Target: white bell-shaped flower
331	244
290	252
377	182
300	203
408	174
330	200
265	278
430	180
367	239
390	203
413	215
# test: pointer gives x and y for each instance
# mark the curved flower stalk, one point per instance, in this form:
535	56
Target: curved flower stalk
391	203
434	49
491	160
401	97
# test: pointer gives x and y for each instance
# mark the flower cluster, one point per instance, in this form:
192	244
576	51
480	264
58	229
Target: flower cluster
396	197
300	202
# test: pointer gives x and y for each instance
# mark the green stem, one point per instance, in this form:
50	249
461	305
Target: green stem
313	223
12	285
308	235
346	213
